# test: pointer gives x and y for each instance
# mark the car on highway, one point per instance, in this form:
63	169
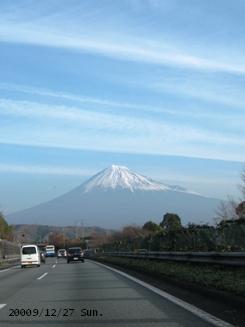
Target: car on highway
30	256
75	254
61	253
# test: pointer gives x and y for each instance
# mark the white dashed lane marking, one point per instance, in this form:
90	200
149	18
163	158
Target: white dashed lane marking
43	275
7	269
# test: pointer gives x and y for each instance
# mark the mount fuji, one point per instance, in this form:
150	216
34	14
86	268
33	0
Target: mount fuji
116	197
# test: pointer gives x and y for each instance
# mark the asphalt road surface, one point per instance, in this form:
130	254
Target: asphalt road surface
84	294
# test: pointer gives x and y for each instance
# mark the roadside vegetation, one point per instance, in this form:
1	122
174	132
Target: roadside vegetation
6	231
170	235
229	279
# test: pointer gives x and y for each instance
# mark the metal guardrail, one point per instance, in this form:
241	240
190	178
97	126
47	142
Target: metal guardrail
223	258
9	261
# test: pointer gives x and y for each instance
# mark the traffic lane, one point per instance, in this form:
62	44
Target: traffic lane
87	294
16	278
48	292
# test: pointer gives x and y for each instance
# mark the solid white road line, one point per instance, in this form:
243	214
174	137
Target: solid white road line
43	275
185	305
7	269
3	270
2	306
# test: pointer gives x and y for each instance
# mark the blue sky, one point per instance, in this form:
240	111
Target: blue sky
156	85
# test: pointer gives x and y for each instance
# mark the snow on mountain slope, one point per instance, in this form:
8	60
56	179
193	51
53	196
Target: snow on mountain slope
116	177
120	177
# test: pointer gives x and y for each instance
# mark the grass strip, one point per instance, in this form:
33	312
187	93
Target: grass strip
231	279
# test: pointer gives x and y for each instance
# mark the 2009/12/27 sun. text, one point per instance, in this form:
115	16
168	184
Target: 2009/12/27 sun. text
53	312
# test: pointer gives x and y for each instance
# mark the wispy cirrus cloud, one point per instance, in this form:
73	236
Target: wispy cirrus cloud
177	88
95	120
71	127
85	121
82	99
231	96
123	47
45	170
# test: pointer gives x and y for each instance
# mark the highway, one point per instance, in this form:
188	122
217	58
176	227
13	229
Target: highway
86	294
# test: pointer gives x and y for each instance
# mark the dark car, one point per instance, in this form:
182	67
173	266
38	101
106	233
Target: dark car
75	254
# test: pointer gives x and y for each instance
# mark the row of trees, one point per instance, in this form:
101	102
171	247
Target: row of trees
170	235
6	231
60	240
232	209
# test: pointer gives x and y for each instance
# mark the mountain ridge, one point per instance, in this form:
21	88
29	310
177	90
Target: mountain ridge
116	197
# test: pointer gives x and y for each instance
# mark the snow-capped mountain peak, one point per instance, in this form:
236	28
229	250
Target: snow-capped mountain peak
120	177
101	202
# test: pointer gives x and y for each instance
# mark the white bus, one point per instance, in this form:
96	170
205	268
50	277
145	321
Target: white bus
50	251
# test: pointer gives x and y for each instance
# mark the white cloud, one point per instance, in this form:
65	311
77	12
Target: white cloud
71	127
176	88
209	90
45	170
83	99
114	122
124	47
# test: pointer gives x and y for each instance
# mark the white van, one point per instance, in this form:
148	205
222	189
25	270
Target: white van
30	255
